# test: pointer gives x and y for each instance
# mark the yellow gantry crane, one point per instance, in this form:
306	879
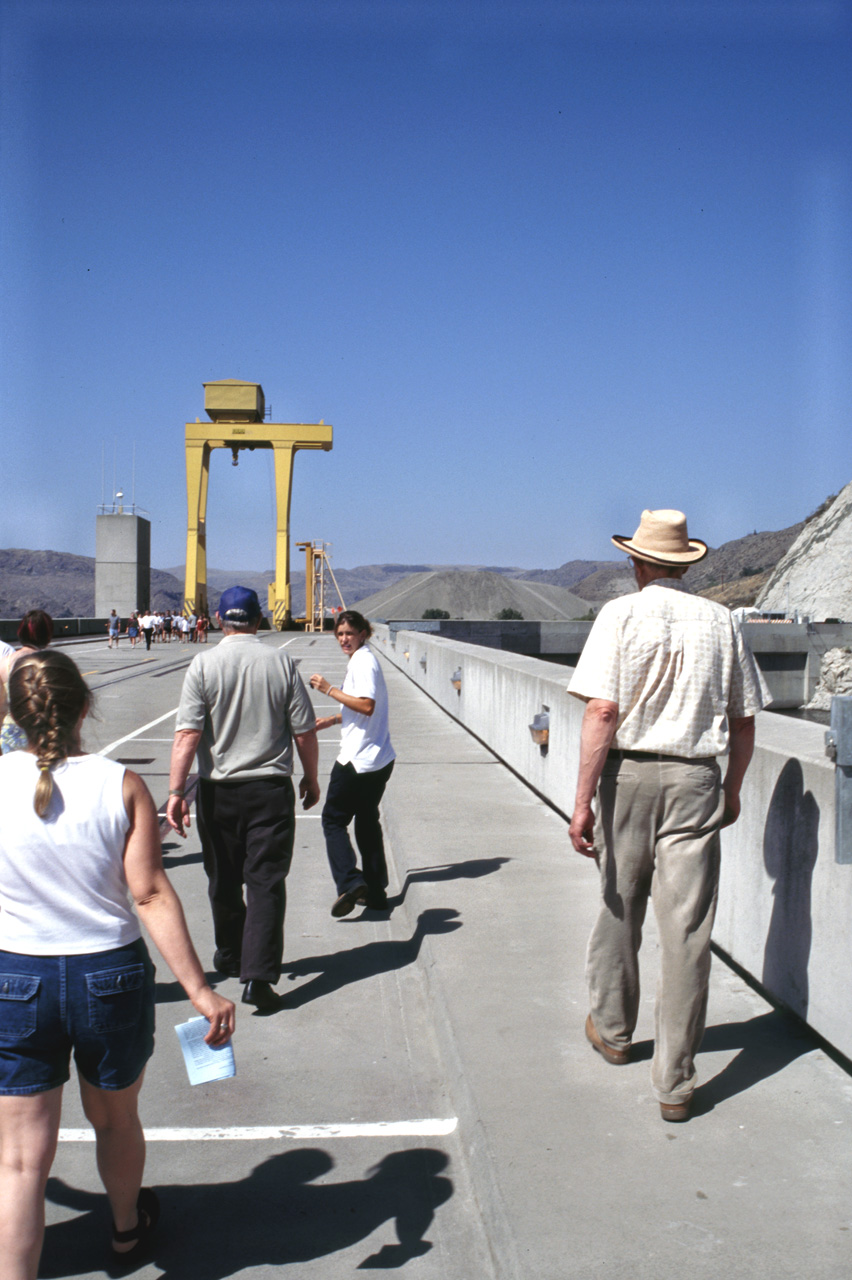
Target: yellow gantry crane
238	410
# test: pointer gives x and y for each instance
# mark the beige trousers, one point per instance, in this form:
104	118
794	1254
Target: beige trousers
657	834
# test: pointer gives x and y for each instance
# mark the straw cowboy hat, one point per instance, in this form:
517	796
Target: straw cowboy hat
662	538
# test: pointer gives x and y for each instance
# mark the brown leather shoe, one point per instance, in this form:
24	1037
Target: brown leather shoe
676	1112
617	1057
348	901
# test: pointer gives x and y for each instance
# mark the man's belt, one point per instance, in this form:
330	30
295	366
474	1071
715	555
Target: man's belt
616	753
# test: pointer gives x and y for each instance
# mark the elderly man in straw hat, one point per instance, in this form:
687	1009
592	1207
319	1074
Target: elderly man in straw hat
669	685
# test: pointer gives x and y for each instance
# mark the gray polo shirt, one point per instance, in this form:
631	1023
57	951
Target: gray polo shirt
247	699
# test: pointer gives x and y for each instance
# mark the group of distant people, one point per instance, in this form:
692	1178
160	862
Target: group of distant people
668	684
155	627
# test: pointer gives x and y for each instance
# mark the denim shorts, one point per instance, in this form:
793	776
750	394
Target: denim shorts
101	1006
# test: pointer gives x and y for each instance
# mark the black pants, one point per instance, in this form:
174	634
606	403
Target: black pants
147	633
355	795
247	831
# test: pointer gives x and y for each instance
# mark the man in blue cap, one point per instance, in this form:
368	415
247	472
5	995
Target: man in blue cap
242	707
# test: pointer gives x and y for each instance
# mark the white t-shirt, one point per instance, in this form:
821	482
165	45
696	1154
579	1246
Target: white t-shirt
62	885
365	741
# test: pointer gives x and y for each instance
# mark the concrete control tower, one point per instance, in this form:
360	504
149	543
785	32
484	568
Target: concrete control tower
238	410
122	559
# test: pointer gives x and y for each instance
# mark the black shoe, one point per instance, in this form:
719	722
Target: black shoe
148	1213
261	995
348	901
377	900
228	968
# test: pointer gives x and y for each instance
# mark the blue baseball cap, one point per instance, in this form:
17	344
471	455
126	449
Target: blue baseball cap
239	604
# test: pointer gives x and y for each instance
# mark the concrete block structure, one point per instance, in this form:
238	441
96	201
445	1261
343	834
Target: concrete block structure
122	563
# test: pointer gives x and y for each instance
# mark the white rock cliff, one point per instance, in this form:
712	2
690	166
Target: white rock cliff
815	576
835	677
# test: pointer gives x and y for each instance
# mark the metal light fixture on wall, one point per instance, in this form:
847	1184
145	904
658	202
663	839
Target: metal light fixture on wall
455	680
423	663
540	730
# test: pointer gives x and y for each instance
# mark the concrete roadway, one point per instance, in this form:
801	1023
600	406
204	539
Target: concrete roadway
463	1007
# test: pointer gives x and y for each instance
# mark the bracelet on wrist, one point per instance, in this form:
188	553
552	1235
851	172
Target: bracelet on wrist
177	793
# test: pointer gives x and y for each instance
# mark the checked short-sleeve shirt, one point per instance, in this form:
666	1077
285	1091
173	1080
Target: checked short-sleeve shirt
678	668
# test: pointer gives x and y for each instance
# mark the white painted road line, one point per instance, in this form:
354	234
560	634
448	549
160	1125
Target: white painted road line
295	1132
136	732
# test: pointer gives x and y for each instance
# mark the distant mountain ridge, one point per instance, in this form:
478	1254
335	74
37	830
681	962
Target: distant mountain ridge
64	583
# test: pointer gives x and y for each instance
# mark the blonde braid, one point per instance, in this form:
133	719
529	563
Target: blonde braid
47	696
52	749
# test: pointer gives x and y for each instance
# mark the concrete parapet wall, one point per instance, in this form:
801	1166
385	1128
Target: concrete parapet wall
61	627
785	908
785	905
499	695
789	654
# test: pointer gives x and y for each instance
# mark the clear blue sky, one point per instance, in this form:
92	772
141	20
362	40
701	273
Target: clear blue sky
540	264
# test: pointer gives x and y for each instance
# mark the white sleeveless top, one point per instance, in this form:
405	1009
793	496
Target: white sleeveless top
62	884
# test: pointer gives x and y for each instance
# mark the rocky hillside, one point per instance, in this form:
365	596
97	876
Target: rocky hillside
64	584
567	575
835	679
739	594
732	573
814	576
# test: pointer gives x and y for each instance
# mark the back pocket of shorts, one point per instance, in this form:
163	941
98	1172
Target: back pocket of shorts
18	1006
116	998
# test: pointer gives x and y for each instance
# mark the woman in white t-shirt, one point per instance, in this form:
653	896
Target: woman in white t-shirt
78	834
360	773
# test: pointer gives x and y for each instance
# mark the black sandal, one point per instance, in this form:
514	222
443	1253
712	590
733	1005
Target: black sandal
148	1214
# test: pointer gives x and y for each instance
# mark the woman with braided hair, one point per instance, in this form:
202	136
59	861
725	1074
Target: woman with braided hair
35	632
77	832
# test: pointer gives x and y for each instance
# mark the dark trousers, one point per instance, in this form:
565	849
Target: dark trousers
355	795
147	633
247	831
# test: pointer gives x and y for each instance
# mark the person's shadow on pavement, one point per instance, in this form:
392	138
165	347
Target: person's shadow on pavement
472	869
341	968
272	1218
767	1044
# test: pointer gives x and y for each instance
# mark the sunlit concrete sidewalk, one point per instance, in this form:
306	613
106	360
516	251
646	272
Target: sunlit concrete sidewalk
575	1173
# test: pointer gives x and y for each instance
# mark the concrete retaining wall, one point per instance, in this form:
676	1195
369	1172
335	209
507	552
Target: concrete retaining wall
785	909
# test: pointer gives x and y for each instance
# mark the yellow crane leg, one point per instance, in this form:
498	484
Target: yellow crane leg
279	590
197	481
